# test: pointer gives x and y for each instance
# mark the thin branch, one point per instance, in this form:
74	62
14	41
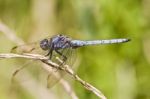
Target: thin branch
65	68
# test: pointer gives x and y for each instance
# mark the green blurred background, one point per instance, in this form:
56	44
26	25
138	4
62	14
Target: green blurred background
120	71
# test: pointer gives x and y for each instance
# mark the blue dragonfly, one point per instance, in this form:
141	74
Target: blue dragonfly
62	47
60	42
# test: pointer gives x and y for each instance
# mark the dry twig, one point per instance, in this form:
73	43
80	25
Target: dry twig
54	65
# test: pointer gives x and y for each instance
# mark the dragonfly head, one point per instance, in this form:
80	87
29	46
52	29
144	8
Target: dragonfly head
44	44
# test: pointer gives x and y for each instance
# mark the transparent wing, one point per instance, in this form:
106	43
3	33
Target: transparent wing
26	73
33	48
65	56
72	57
56	75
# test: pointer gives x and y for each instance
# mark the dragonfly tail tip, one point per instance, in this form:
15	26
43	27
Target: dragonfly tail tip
128	39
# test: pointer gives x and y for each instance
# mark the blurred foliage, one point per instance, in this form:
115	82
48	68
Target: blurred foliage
120	71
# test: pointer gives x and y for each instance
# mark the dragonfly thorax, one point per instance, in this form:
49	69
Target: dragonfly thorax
60	42
56	43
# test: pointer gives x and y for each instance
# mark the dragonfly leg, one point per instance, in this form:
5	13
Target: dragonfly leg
64	57
49	54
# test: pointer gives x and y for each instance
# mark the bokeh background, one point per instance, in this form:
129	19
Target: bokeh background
120	71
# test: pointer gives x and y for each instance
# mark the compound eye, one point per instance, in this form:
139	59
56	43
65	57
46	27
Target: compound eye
44	44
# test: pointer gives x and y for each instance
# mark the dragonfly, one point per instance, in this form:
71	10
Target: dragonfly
62	47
